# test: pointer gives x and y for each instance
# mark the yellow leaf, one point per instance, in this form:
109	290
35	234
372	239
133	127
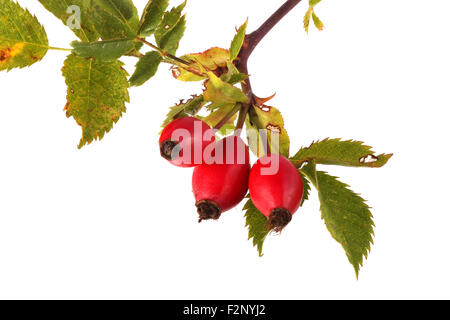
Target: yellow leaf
23	40
319	24
7	54
307	19
211	60
220	92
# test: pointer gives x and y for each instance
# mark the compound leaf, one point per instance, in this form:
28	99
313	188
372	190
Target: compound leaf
238	41
146	68
152	16
346	215
23	40
96	94
103	50
338	152
258	227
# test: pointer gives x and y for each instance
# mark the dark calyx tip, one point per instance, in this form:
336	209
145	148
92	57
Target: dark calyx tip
279	218
166	148
208	210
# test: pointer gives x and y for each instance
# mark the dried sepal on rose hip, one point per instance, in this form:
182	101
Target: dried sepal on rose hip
222	182
276	189
183	141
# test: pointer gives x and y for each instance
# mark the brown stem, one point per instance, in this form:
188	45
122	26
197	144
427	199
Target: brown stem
241	119
250	43
254	38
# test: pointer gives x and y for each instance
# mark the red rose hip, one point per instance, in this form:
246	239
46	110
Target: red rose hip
183	141
276	189
222	183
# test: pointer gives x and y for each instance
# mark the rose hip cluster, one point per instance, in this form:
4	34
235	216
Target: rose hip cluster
223	174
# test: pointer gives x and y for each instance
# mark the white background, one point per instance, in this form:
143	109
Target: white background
116	221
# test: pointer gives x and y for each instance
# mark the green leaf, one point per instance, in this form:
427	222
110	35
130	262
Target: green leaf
317	22
313	3
227	110
96	94
310	13
306	188
103	50
346	215
220	92
66	11
146	68
171	40
307	19
23	40
114	19
271	121
343	153
152	16
227	127
184	109
211	59
169	21
233	76
254	139
238	41
187	76
258	227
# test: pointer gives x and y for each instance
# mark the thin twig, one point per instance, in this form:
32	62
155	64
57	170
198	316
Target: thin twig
250	43
164	53
224	121
254	38
58	49
174	60
242	116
